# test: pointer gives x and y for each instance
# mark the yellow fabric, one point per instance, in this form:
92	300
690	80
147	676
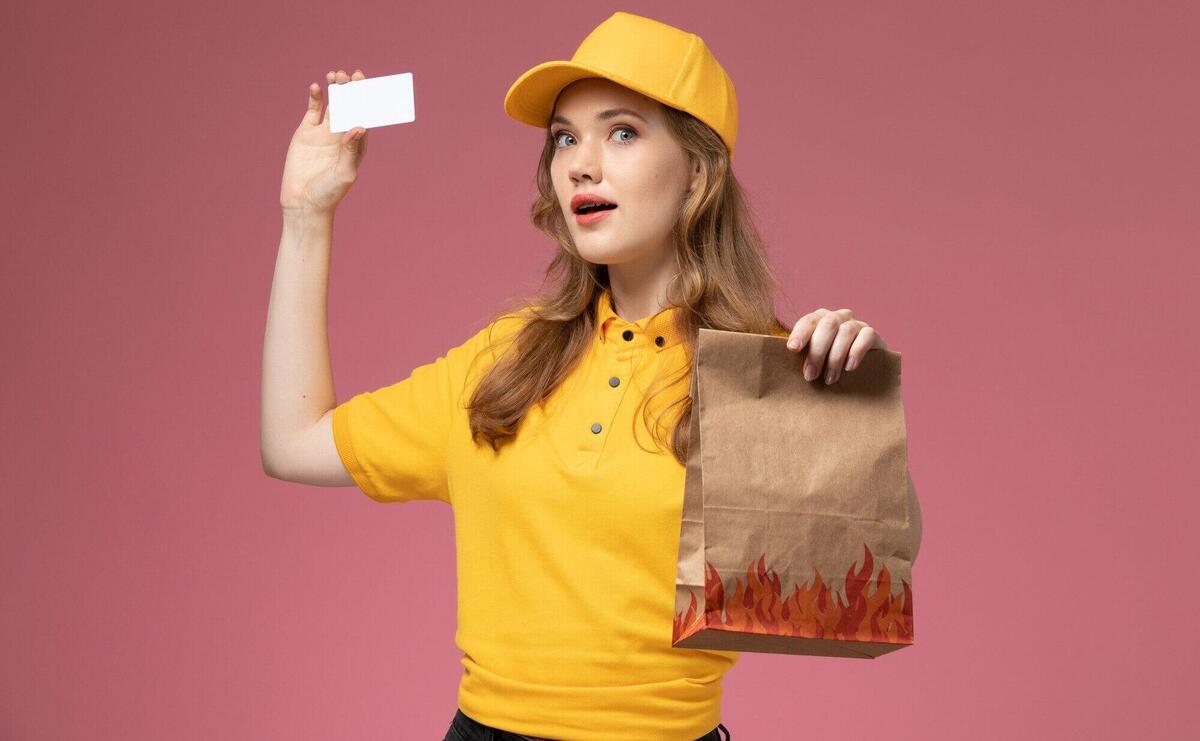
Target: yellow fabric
662	62
566	539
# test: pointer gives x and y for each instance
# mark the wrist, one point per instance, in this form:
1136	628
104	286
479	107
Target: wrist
306	217
302	228
304	221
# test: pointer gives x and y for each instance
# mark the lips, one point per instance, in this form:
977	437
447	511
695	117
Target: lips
588	208
592	217
584	203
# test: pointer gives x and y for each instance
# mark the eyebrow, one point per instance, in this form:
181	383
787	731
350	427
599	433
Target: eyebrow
604	115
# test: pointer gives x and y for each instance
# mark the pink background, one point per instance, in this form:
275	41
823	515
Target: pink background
1007	191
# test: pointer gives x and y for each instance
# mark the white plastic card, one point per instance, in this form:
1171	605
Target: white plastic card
375	101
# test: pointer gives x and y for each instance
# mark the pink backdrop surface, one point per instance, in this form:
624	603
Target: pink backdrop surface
1006	191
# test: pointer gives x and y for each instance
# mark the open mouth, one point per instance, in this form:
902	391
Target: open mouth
588	208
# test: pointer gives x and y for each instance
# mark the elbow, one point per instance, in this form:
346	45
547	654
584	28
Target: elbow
268	466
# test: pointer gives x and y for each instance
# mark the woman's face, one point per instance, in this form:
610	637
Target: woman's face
630	159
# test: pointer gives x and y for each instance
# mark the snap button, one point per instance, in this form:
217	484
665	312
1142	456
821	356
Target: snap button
596	427
627	334
614	382
659	341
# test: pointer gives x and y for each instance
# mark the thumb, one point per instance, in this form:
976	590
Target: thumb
312	116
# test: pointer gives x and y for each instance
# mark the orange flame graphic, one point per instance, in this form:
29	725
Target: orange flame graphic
810	611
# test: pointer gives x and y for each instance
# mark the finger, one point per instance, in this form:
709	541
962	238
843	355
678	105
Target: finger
329	78
347	164
838	350
863	341
818	345
362	139
312	116
802	331
342	76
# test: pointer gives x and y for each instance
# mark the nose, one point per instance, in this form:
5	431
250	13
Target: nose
585	161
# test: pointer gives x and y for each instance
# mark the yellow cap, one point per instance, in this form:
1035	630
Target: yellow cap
659	61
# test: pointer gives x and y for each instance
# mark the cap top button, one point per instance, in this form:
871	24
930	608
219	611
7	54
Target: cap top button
596	427
614	382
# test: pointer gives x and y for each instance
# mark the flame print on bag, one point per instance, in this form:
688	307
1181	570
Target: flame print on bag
811	611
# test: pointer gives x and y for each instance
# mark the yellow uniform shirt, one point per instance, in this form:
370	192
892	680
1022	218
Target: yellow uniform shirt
566	538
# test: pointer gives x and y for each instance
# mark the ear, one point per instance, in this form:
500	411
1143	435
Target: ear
695	179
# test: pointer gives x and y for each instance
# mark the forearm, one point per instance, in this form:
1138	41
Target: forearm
297	374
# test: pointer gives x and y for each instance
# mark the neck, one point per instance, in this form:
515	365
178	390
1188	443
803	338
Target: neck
639	288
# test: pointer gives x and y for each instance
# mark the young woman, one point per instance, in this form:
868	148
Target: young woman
558	431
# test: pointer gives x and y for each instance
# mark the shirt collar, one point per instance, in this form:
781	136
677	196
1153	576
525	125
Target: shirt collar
646	330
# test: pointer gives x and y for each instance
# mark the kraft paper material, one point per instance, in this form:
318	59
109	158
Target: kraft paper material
800	520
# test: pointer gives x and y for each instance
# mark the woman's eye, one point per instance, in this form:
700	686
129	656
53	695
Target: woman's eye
625	128
619	129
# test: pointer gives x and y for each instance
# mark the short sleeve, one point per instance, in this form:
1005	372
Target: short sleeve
393	440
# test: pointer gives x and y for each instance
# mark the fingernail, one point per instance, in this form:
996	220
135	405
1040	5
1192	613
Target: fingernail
809	372
850	364
792	344
829	377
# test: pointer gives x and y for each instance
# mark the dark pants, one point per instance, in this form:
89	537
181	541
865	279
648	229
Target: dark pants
466	728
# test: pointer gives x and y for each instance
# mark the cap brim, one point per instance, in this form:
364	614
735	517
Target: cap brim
531	98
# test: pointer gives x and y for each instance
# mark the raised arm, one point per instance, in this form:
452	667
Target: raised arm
296	435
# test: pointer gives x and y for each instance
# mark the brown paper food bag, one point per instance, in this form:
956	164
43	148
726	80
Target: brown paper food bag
800	520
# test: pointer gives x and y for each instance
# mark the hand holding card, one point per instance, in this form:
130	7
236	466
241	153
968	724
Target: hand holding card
376	101
321	165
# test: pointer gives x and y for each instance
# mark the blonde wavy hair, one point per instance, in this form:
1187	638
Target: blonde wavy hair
724	281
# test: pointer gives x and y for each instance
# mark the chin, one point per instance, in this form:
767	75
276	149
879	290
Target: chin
602	255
